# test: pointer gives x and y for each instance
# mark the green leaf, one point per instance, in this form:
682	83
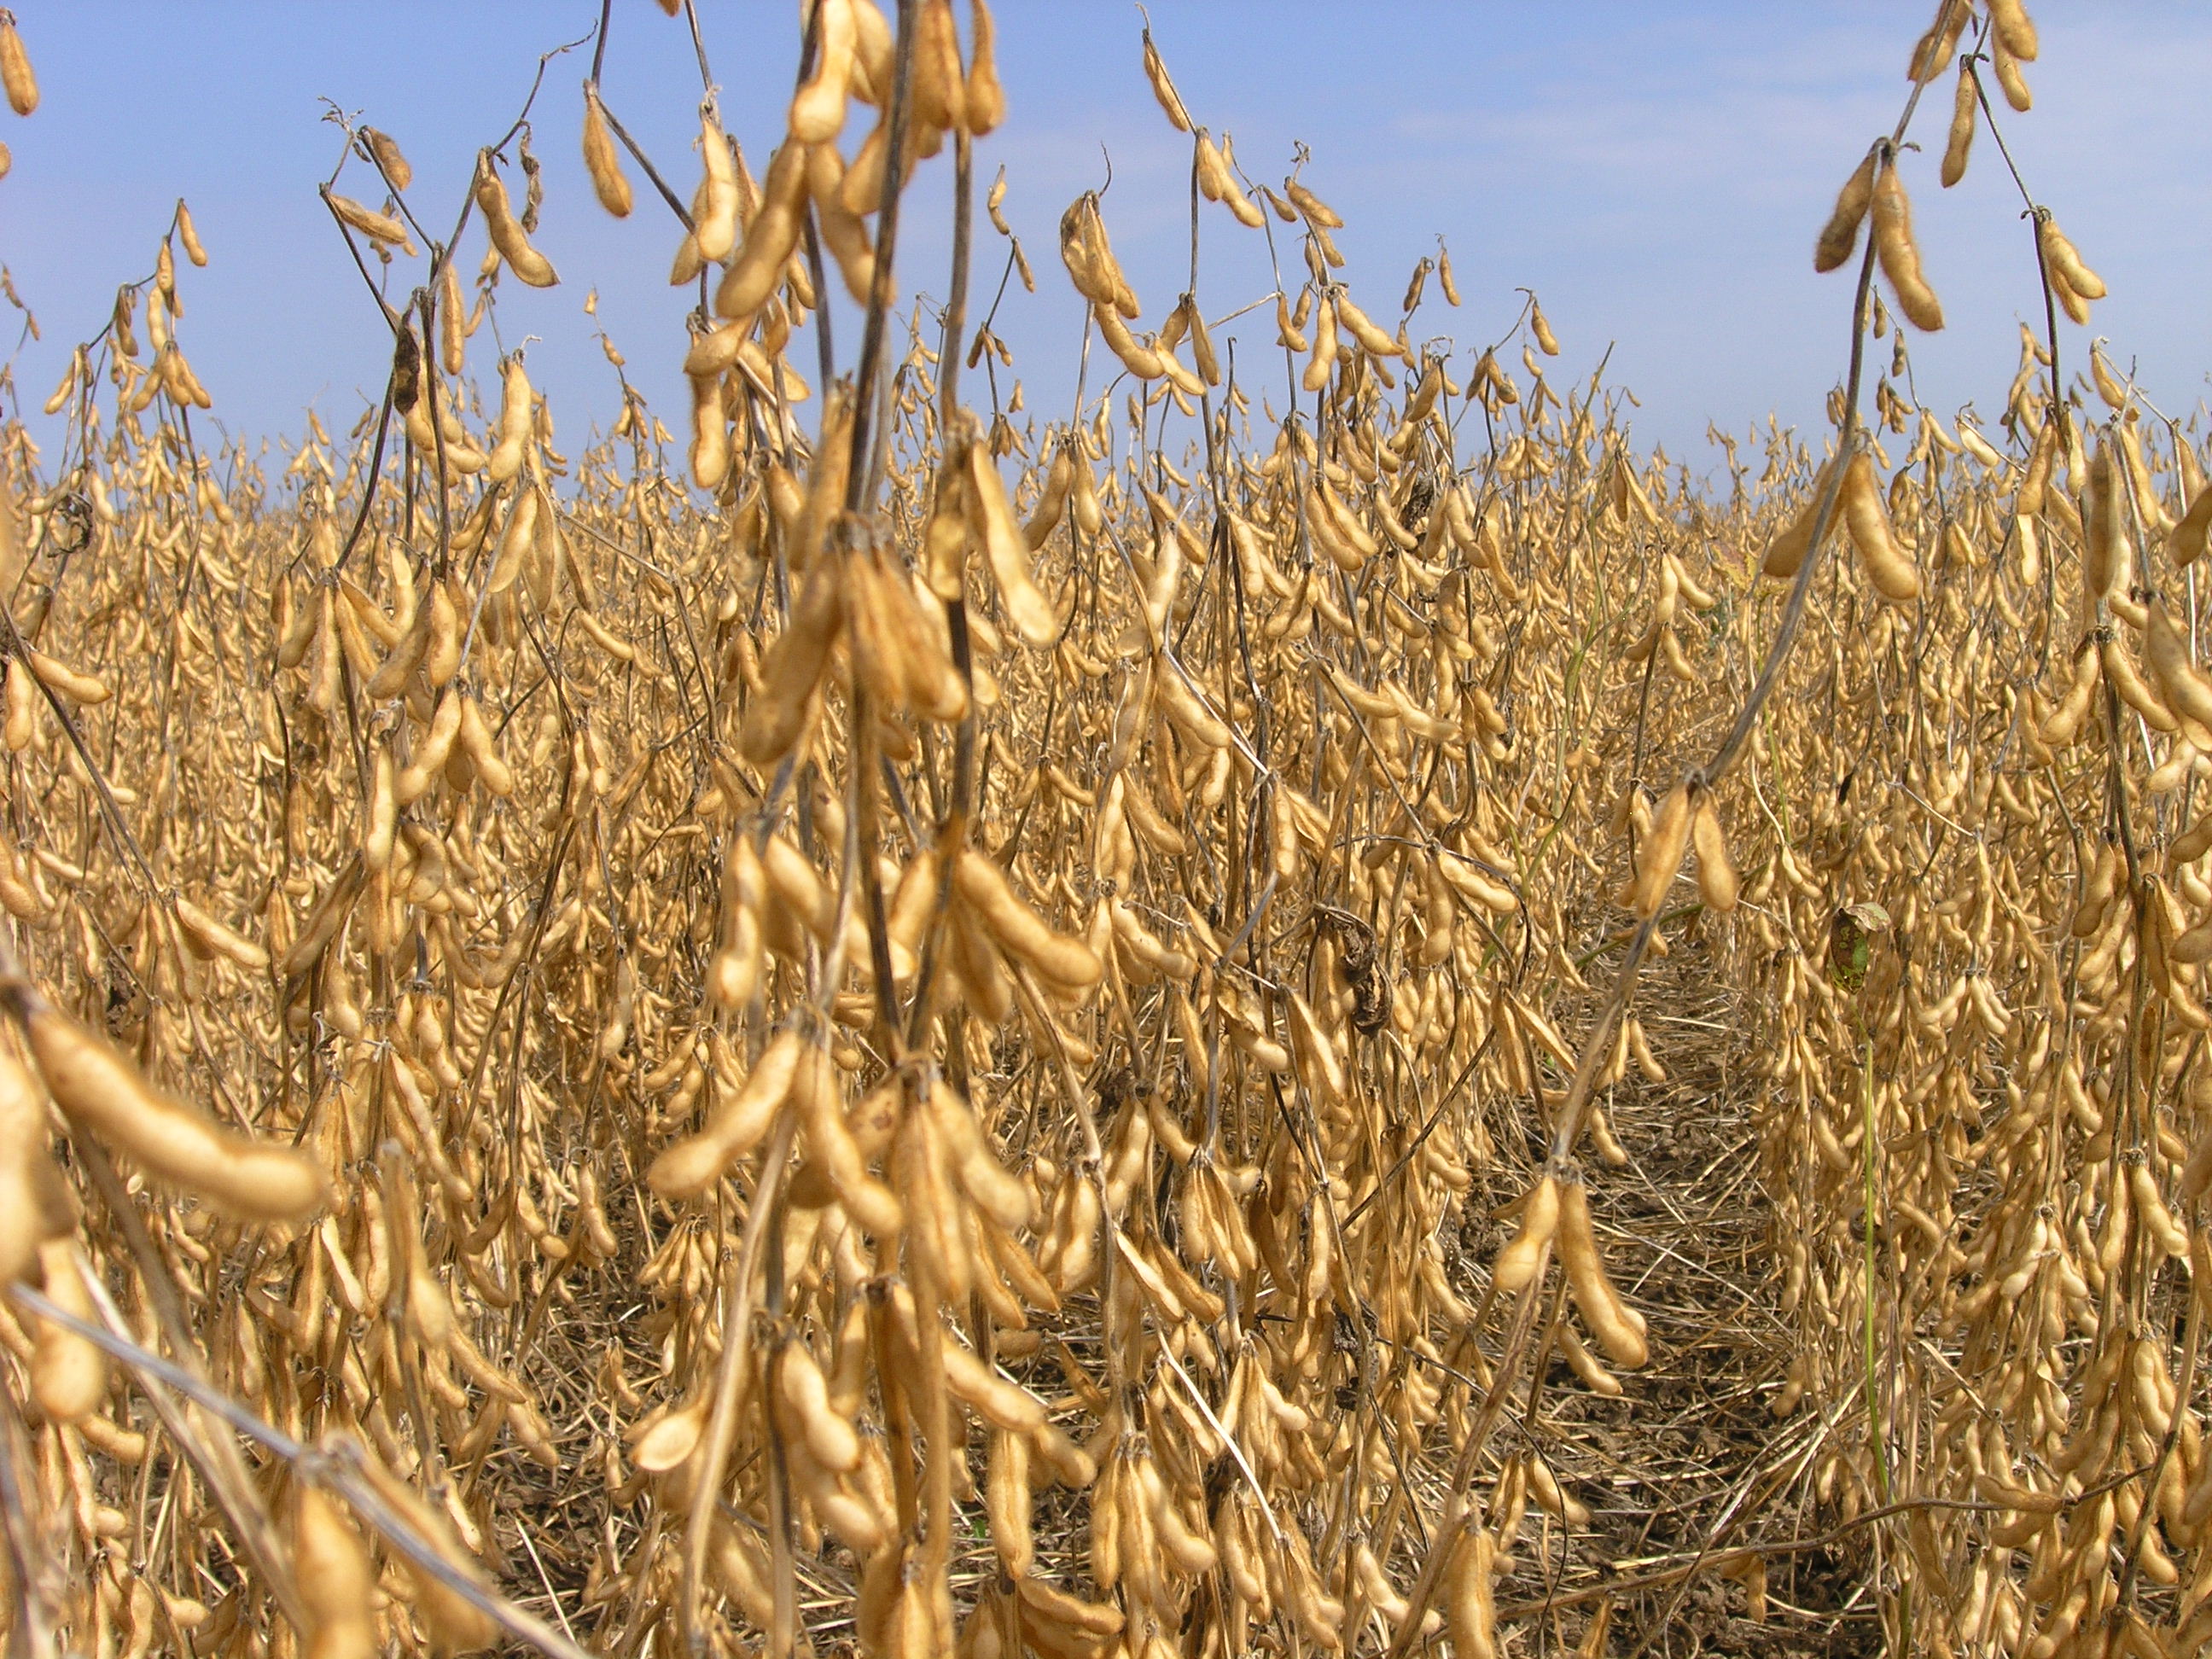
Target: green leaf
1851	943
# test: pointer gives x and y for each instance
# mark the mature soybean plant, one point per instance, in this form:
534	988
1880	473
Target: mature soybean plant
886	1027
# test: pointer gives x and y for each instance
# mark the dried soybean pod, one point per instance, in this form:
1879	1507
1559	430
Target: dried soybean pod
2070	301
1007	1502
399	667
190	236
770	236
23	701
600	159
1444	274
1716	878
381	821
378	226
477	741
1547	342
803	1393
1004	1405
735	975
1142	361
843	231
1218	183
1316	211
1659	858
383	149
2193	842
2016	30
2013	82
1416	284
68	1374
1540	1218
1201	347
913	907
441	652
2187	539
87	688
35	1203
214	939
991	516
873	1207
931	685
1961	138
2105	537
940	92
687	1167
2180	685
1156	71
994	204
1867	518
1318	368
817	109
184	385
336	1582
986	99
516	406
2108	385
1584	1363
414	781
508	235
1470	1609
1900	255
454	1623
874	53
1189	1548
970	1157
2063	722
947	533
709	454
1619	1328
1362	328
1787	551
1020	930
1079	256
2035	476
77	373
1052	501
452	316
1932	55
2098	892
99	1090
1840	235
2066	262
1107	272
714	229
2155	1217
793	667
22	86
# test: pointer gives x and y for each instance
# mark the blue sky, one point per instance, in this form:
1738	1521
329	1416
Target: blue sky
1656	172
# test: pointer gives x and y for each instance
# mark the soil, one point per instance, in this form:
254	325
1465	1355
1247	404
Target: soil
1691	1458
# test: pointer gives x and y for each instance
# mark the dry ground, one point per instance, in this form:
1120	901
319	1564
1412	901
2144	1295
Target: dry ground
1691	1458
